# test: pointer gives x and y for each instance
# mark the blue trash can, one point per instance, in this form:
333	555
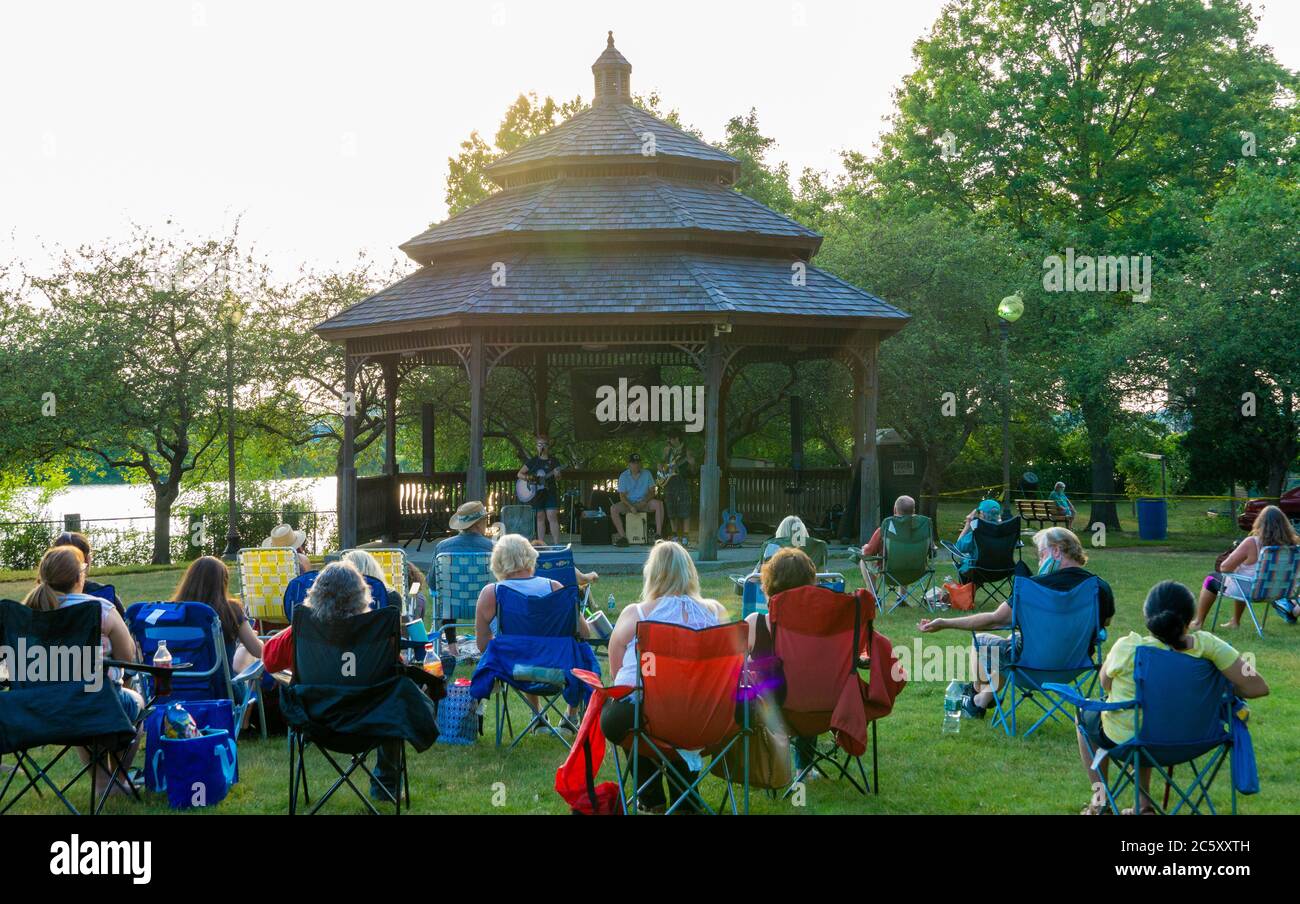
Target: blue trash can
1153	519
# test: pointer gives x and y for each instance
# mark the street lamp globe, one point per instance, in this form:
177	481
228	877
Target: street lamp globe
1011	307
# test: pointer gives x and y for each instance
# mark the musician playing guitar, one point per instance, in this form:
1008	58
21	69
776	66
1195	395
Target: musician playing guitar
674	481
544	469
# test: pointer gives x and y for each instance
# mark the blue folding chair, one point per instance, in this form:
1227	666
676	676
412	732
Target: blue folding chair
458	578
536	634
753	599
296	593
1275	580
1059	633
1182	710
193	635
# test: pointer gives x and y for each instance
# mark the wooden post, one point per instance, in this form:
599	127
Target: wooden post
475	480
541	388
390	415
864	402
427	424
347	495
710	473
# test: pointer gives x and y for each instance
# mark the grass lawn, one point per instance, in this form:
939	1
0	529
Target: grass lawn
921	770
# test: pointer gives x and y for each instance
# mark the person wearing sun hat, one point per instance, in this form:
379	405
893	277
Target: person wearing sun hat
470	523
285	537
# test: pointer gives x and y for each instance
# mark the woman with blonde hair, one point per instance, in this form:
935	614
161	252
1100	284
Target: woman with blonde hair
670	593
1237	573
61	582
369	567
514	560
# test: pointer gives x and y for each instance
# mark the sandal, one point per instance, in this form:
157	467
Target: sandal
1146	811
1095	809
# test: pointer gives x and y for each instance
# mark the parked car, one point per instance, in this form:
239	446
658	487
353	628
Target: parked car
1289	504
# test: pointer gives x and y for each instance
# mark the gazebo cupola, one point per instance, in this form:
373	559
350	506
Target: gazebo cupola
613	75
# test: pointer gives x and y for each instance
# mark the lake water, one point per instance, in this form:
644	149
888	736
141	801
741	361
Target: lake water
101	501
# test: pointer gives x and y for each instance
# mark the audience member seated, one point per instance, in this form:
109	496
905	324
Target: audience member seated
1060	567
788	569
1168	610
988	510
82	542
792	533
514	560
369	566
61	581
285	537
636	493
470	524
207	581
1237	573
903	505
338	592
1063	503
670	593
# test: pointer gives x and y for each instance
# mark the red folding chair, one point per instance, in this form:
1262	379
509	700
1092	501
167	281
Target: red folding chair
819	636
688	699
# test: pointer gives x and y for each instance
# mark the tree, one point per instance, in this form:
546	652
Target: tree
1099	127
130	359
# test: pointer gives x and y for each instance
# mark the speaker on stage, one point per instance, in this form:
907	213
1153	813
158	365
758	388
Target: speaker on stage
596	529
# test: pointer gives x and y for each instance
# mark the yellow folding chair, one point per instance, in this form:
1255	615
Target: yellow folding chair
264	574
393	563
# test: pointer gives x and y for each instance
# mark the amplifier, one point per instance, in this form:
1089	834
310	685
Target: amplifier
596	531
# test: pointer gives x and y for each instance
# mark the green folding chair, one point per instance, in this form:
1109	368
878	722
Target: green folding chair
906	562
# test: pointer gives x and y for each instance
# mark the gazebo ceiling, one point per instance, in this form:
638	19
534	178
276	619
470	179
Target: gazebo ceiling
616	217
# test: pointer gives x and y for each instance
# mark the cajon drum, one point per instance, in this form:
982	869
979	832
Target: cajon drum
635	524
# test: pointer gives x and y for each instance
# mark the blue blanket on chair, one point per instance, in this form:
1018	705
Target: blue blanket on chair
505	651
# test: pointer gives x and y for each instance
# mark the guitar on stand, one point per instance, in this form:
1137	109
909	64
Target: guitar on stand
733	530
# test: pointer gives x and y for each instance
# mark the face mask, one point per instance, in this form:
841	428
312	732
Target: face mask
1049	565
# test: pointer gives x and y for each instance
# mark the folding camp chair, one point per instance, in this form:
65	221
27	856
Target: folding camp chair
753	599
193	635
818	636
905	563
348	697
535	633
1182	711
264	574
459	577
296	593
1275	579
687	693
1058	635
556	563
997	553
71	704
393	563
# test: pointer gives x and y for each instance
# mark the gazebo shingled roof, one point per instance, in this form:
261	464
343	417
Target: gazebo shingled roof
618	224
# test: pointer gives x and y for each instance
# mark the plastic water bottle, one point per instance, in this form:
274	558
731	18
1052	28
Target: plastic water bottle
609	603
162	657
952	708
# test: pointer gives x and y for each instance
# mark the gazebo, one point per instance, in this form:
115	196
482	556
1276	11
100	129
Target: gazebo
617	240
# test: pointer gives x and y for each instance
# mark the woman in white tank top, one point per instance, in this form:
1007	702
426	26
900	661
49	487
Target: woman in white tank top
1238	571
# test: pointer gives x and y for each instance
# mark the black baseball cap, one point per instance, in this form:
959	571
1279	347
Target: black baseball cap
633	457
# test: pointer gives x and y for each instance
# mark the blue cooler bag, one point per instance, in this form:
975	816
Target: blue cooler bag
215	714
457	717
199	771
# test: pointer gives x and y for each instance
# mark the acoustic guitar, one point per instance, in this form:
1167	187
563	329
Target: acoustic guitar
733	530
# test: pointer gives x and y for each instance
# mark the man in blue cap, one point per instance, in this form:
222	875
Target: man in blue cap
989	510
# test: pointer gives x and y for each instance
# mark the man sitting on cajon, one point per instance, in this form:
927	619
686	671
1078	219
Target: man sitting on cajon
636	493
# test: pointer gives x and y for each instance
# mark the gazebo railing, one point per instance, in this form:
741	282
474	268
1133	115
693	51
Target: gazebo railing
397	506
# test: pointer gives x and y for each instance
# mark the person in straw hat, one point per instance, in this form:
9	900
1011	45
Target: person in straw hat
285	537
470	524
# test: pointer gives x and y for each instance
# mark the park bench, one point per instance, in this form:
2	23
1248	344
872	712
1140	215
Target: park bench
1043	511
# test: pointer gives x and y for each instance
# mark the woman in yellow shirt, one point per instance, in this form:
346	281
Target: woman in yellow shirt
1169	610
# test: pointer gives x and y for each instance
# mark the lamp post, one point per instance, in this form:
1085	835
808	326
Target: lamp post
1009	311
232	313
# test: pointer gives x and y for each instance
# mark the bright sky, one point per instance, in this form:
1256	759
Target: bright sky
326	126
